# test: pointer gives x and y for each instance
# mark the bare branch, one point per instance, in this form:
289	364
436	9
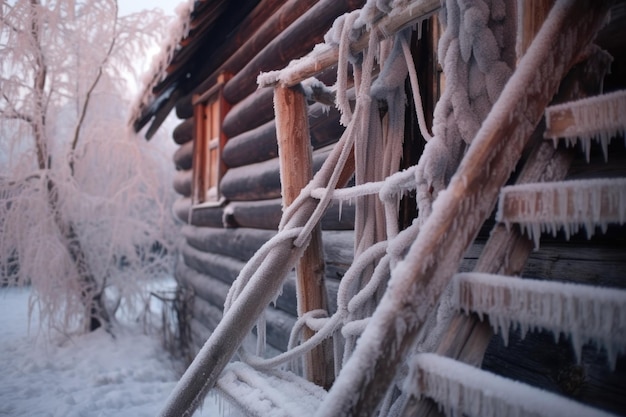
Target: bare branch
94	84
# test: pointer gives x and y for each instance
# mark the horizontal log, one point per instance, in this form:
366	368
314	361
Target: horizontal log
295	41
260	181
238	243
221	267
278	328
206	313
247	46
183	133
253	146
181	208
208	216
266	214
251	112
183	157
205	286
260	144
199	333
182	182
326	57
242	243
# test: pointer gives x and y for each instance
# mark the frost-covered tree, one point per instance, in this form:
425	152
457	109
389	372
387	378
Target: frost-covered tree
83	217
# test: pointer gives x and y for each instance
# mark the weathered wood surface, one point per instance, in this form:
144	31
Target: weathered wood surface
236	25
540	361
296	170
221	267
260	144
183	133
183	156
295	41
208	216
265	214
251	112
205	286
250	38
260	181
508	251
206	313
388	24
239	243
182	182
466	203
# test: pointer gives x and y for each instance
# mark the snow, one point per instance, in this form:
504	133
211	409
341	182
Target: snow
89	375
464	390
584	313
271	394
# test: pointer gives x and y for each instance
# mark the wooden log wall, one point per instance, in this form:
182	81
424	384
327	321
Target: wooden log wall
219	240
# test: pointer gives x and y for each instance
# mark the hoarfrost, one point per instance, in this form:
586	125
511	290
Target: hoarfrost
462	389
597	118
567	205
585	313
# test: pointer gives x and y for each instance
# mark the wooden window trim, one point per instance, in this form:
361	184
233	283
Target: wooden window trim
210	108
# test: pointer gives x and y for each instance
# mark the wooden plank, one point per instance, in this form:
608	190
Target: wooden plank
183	156
600	117
296	170
296	40
565	203
461	209
508	251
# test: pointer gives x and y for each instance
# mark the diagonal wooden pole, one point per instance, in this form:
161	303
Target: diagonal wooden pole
459	211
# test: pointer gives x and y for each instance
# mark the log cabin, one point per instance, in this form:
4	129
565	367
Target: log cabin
274	99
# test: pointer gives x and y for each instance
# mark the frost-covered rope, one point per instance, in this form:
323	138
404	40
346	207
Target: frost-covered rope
379	245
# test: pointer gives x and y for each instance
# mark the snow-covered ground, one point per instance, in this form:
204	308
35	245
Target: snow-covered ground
90	375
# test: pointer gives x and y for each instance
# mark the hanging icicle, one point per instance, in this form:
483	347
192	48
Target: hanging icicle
584	313
462	390
567	205
597	118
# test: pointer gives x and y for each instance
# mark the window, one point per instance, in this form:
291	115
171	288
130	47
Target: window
208	168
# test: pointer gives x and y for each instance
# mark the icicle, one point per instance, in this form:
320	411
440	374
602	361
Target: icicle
595	118
565	205
461	389
585	313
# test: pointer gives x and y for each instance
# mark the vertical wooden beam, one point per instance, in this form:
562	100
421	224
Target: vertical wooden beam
199	162
295	155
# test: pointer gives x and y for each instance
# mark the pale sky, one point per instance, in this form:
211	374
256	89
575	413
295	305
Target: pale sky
132	6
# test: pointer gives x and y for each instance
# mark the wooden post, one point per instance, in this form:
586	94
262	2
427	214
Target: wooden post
294	150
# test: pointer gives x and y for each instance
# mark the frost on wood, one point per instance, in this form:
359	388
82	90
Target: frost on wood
462	390
597	118
585	313
273	393
567	205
